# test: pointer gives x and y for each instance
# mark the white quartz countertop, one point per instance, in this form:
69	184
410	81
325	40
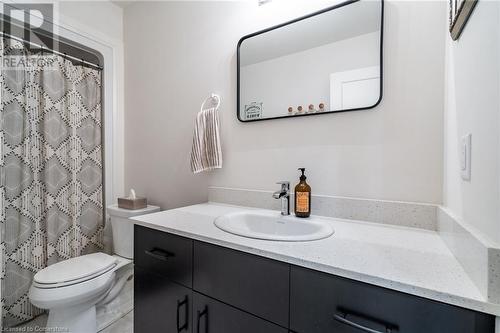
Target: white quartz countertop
409	260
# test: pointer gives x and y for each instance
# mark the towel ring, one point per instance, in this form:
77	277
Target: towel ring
213	97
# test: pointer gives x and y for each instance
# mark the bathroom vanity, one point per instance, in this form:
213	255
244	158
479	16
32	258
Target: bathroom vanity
192	277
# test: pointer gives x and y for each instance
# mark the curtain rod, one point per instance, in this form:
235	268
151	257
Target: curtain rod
52	51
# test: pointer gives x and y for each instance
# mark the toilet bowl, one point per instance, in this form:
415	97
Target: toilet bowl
71	289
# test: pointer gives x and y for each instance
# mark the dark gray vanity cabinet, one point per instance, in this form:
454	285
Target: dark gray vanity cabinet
162	285
212	316
160	303
254	284
233	292
188	286
326	303
164	254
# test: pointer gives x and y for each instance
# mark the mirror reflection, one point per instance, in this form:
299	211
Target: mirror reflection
327	62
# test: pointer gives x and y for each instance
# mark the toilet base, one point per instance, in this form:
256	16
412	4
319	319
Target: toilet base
74	319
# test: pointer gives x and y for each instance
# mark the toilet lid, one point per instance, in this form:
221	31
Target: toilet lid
75	269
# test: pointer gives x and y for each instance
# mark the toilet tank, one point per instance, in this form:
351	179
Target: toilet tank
123	228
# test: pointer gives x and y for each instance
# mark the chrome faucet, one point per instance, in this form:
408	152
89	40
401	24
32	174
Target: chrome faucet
284	195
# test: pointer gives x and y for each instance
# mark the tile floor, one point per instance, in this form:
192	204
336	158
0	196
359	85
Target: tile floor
123	325
118	308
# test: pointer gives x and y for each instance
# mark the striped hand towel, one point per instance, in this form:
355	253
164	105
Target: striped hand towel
206	153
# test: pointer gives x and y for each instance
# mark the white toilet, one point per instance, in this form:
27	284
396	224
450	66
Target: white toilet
71	289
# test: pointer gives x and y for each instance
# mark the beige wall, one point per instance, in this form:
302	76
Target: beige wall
473	106
165	80
177	53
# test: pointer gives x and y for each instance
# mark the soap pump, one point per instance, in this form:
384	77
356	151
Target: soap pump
302	196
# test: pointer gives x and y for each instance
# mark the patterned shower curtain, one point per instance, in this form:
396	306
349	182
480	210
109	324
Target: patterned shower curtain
51	198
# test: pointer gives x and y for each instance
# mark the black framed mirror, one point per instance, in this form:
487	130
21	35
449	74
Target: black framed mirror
326	62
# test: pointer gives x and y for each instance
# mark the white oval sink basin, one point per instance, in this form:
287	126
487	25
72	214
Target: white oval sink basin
274	226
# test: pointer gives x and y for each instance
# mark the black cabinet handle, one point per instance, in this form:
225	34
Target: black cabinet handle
186	320
199	315
159	254
342	317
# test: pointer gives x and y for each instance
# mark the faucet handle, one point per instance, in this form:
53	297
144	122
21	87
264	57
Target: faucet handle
285	185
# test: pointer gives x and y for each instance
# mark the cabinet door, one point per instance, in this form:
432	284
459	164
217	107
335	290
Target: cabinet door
321	303
165	254
253	284
160	305
211	316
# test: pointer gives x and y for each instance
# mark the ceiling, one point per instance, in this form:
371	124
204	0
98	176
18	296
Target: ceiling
342	23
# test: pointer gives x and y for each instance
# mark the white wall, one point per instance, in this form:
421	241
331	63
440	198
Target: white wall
473	106
177	53
166	80
101	18
309	81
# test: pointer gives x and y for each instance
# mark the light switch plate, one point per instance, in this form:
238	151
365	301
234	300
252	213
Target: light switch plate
465	157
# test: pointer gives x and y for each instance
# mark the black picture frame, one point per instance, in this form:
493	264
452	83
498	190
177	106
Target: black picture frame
460	12
302	18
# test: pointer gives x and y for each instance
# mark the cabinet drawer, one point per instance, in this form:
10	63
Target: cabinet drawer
161	305
165	254
321	303
251	283
213	316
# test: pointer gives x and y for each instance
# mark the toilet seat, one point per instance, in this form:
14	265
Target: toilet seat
72	294
74	271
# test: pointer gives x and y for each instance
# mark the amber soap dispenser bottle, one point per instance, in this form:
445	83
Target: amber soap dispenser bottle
302	196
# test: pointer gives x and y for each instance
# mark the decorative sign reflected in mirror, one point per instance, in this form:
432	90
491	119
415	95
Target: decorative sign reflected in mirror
329	61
